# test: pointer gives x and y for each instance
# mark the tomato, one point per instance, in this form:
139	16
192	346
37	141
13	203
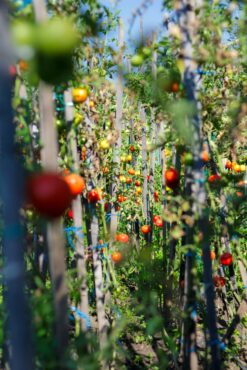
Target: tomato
91	104
226	259
214	178
239	194
132	148
237	168
136	60
188	159
105	170
159	222
137	183
76	183
172	178
242	168
219	281
122	238
79	95
182	284
212	253
175	87
205	156
129	158
12	71
228	165
131	171
104	144
49	194
93	196
128	180
122	178
121	198
116	257
155	218
70	213
138	190
146	229
107	206
23	65
156	196
148	178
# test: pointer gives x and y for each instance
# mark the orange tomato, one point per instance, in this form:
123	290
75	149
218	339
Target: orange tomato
131	171
237	168
23	65
79	95
122	238
121	198
91	104
228	165
76	183
116	257
172	178
105	170
146	229
137	183
128	180
138	190
175	87
205	156
214	178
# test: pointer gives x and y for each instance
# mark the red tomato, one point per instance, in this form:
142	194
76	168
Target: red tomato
226	259
49	194
128	180
106	206
156	196
172	178
145	229
121	198
214	178
122	238
175	87
93	196
159	222
76	183
131	171
148	178
70	213
228	165
182	284
155	218
219	281
132	148
116	257
12	71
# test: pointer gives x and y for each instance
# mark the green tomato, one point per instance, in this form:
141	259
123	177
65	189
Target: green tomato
188	159
22	33
136	60
146	52
57	36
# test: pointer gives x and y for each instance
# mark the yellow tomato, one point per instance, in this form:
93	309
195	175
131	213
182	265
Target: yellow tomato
167	152
122	178
123	158
104	144
138	190
138	173
242	167
129	158
91	104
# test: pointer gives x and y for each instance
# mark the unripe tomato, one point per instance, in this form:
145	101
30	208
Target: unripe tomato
116	257
172	178
49	194
93	196
219	281
226	259
122	238
188	159
70	213
136	60
131	171
79	95
228	165
145	229
137	183
76	183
